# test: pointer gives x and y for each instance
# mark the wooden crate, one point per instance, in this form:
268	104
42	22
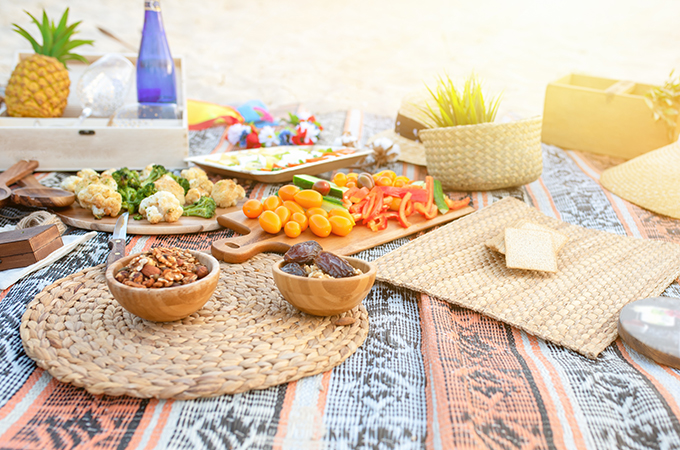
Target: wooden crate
21	248
58	145
601	115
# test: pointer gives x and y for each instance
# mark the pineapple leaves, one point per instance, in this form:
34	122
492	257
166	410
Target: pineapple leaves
453	107
56	39
36	47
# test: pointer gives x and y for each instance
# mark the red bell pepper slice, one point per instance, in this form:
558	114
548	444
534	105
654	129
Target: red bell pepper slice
357	207
417	195
402	210
376	203
349	192
380	221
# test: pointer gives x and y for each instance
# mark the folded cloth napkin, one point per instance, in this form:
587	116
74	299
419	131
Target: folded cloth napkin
11	276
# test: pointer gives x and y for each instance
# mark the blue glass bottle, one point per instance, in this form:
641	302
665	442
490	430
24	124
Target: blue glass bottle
155	66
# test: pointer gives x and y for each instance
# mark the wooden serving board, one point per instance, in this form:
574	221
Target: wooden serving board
78	217
255	240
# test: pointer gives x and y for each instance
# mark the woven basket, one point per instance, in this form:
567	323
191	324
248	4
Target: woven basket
485	156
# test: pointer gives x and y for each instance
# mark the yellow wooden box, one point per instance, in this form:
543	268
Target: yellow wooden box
57	144
604	116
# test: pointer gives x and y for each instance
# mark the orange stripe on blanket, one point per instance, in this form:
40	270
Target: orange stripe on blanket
321	405
63	416
285	415
21	393
484	392
663	392
4	293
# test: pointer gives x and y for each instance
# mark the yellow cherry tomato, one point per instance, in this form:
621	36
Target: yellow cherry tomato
283	213
293	206
350	184
342	213
340	179
252	208
292	229
320	225
301	219
311	211
271	203
309	198
288	191
340	226
270	222
384	181
352	176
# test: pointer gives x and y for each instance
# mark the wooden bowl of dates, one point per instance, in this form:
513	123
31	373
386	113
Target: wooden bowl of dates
325	296
163	304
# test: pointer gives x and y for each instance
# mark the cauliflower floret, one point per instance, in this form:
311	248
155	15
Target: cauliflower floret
161	207
193	172
107	180
146	172
227	193
101	199
194	195
167	184
198	179
108	172
70	183
88	174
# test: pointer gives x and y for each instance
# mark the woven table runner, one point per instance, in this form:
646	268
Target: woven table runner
577	307
246	337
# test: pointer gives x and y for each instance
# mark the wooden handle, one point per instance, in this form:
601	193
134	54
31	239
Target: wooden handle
117	247
233	224
17	172
29	181
230	251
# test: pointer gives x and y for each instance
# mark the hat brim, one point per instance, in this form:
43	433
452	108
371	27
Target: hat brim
651	181
410	151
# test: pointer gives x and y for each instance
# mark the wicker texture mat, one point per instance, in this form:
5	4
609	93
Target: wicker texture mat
246	337
651	181
577	307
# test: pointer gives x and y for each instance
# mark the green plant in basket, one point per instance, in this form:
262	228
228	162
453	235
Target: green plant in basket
452	107
664	102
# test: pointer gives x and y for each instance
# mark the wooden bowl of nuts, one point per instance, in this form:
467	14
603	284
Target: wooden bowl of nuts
163	284
321	283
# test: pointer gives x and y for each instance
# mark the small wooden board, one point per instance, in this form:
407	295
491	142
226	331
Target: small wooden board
652	327
255	240
78	217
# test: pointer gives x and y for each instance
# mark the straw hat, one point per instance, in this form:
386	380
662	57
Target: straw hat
406	129
651	181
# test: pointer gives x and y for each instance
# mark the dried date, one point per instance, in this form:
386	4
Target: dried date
303	253
294	269
334	265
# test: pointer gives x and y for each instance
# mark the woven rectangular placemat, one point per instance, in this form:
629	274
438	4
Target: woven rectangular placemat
577	307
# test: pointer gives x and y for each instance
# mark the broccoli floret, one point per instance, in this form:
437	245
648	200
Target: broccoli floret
156	172
182	182
204	207
126	178
145	191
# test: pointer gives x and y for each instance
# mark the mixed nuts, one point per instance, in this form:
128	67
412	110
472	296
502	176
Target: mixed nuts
162	267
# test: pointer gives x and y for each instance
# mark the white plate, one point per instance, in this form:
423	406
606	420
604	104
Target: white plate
210	163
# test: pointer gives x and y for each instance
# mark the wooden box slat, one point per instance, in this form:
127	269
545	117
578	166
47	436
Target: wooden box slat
20	248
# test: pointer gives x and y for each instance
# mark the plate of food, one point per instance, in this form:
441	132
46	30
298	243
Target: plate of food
279	164
159	201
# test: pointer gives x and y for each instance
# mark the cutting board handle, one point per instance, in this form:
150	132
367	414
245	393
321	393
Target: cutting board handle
17	172
238	250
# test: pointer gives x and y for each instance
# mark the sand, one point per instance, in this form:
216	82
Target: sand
336	55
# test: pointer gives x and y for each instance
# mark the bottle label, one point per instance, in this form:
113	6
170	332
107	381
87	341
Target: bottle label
152	5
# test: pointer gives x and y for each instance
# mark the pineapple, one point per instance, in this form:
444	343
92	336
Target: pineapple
39	85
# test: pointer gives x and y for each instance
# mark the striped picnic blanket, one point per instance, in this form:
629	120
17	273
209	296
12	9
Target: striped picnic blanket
430	375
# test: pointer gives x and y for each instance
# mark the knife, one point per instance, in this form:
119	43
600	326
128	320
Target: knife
117	242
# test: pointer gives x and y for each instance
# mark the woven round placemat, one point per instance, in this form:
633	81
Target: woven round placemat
246	337
485	156
651	181
577	307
